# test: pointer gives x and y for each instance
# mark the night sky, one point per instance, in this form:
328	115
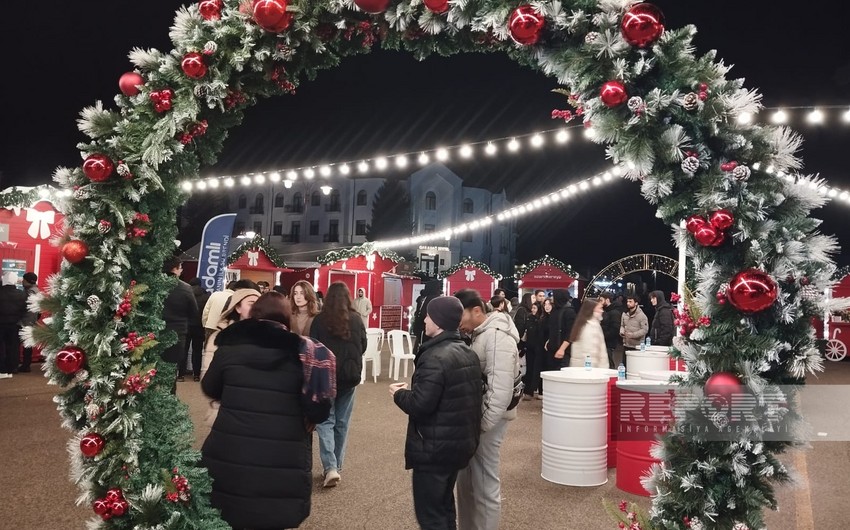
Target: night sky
62	56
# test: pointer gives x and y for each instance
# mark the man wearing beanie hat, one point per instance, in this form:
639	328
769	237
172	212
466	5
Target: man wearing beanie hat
444	409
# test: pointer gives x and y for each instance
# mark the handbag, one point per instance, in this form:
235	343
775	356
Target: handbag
519	386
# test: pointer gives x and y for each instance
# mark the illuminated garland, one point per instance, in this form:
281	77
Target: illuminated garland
17	198
469	262
258	243
545	260
361	250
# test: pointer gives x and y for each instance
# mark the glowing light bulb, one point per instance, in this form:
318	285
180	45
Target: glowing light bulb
363	167
229	182
344	169
815	117
186	185
424	159
537	141
309	173
491	149
274	177
259	179
292	175
466	151
245	181
779	117
513	145
442	154
744	118
325	171
562	137
381	163
401	161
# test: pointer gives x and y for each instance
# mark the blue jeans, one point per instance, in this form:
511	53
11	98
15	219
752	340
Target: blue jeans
333	432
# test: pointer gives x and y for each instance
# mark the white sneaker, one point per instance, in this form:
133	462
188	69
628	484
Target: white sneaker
331	478
5	376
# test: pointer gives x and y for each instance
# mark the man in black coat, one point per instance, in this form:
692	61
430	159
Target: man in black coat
444	409
432	289
13	307
611	319
195	339
662	331
179	309
560	326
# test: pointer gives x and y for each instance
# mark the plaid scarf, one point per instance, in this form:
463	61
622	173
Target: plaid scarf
319	366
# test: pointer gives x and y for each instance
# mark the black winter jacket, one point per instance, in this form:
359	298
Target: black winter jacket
179	310
259	452
443	405
662	331
13	305
348	352
611	319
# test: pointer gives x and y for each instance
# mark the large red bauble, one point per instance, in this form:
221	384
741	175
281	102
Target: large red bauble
723	385
98	167
721	237
693	222
75	251
70	359
751	291
118	508
526	25
210	9
706	235
271	15
613	94
437	6
721	219
373	6
193	65
642	25
91	444
130	82
100	506
114	494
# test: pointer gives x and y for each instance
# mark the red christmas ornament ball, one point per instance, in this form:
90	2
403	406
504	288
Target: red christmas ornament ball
130	82
91	444
751	291
210	9
642	25
193	65
98	167
372	6
70	359
100	506
437	6
694	222
114	494
613	94
118	508
721	237
723	385
706	235
526	25
271	15
721	219
75	251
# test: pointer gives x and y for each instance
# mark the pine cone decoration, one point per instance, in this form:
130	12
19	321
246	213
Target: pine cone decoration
591	37
810	293
210	47
94	302
200	91
690	101
636	104
690	165
104	226
123	170
741	173
81	194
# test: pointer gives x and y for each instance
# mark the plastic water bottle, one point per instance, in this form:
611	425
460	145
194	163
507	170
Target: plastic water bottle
642	346
648	342
621	372
587	364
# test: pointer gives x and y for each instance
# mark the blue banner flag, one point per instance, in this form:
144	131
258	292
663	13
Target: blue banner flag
215	248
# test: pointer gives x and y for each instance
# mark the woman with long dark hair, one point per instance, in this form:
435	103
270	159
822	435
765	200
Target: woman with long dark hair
341	329
273	387
587	338
534	353
304	307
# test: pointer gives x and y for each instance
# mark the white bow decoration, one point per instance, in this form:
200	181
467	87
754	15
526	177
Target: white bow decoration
370	262
41	221
470	275
253	258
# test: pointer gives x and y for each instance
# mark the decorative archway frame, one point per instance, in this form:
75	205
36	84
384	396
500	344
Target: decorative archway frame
668	117
636	263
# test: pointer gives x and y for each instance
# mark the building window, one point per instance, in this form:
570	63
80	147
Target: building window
360	227
278	200
334	205
430	201
240	227
295	231
242	203
362	197
468	206
428	228
258	227
277	228
333	231
314	228
315	199
258	205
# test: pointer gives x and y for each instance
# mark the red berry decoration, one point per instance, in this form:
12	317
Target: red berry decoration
114	494
98	167
210	9
193	65
130	82
613	94
751	291
70	359
161	99
694	222
75	251
728	166
271	15
437	6
91	444
373	7
100	507
723	385
642	25
118	508
721	219
526	25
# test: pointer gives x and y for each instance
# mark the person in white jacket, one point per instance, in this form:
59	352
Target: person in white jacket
494	340
587	337
362	306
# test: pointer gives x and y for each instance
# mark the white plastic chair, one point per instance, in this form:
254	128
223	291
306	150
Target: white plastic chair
401	349
374	341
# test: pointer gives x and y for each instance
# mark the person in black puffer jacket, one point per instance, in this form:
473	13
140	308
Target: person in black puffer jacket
444	409
341	329
259	451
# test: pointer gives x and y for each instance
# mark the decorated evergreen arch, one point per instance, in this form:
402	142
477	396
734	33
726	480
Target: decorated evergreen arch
667	116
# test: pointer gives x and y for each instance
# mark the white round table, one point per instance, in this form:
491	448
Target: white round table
575	426
638	361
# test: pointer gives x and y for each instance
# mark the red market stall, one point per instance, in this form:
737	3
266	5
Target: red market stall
835	328
381	273
256	261
470	274
547	273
